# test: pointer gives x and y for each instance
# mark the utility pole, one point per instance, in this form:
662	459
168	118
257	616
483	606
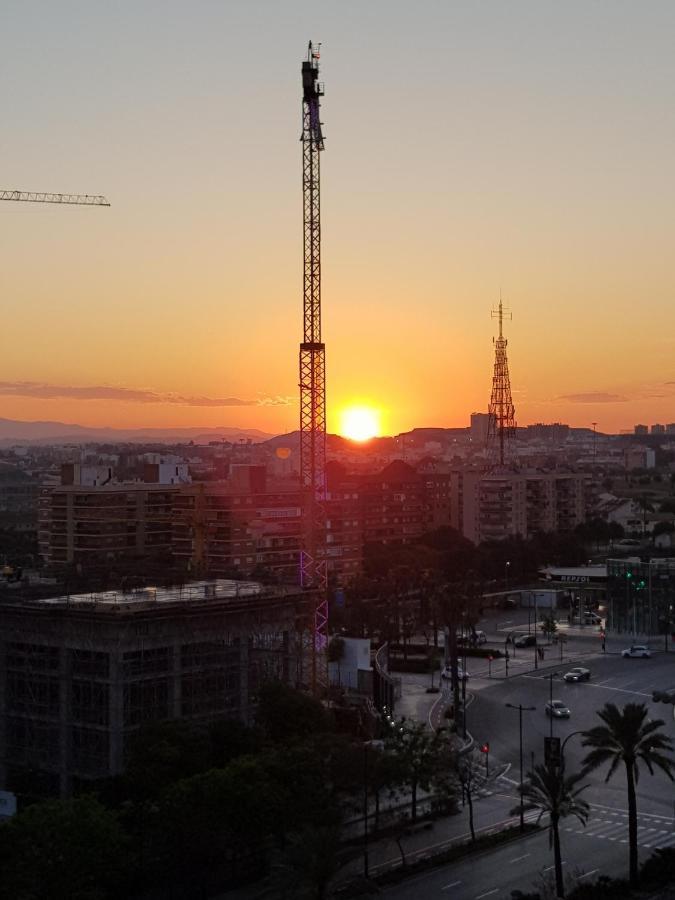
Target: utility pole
313	574
521	709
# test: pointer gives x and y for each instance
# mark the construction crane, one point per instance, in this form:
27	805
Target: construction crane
35	197
313	374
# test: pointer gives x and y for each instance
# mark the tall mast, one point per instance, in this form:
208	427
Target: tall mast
501	411
313	370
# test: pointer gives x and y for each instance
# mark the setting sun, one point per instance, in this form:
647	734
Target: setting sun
360	423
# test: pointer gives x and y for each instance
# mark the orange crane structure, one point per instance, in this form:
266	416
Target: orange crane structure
313	375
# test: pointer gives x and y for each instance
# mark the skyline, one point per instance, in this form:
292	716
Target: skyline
545	174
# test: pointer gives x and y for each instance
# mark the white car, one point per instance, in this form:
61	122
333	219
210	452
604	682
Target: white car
461	674
637	650
557	709
577	674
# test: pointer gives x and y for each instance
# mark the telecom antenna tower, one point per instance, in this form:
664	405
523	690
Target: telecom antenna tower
313	373
501	411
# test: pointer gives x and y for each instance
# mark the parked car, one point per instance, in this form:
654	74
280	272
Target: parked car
525	640
577	674
591	618
637	650
461	674
471	639
557	709
663	696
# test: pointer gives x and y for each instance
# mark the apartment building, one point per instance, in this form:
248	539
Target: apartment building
505	503
90	520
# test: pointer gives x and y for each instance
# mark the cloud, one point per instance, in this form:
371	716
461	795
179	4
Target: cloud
593	397
43	391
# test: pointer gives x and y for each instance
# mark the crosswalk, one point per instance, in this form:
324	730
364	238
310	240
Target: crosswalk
612	825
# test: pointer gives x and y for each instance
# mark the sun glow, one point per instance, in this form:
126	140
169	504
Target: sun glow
360	423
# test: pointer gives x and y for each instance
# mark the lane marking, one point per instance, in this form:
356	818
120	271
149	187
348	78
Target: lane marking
519	858
448	886
487	893
588	874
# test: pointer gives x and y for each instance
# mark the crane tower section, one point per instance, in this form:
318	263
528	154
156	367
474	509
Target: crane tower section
312	362
501	411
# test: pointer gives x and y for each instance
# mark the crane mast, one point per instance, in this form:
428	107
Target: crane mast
313	371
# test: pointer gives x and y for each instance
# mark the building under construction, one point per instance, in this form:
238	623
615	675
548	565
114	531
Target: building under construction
79	674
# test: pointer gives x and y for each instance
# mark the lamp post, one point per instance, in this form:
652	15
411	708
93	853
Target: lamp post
521	709
507	565
550	677
562	749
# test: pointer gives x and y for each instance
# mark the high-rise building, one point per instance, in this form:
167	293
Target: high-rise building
480	424
641	429
658	429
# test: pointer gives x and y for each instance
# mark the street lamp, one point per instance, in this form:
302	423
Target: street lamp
562	749
507	565
521	709
550	677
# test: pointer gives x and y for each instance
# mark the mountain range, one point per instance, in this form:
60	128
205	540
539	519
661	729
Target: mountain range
13	431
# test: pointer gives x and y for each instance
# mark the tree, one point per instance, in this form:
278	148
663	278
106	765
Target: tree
549	626
434	660
336	653
73	850
548	790
419	753
285	714
471	776
628	737
310	862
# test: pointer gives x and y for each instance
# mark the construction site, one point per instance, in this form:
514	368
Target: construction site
80	673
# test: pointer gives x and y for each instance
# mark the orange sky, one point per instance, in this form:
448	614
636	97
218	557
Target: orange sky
469	148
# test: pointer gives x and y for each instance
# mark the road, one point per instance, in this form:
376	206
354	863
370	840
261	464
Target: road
524	863
602	846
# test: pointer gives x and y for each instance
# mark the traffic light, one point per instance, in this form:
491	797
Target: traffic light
485	748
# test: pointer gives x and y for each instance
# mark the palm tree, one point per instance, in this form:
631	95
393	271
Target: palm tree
628	736
548	790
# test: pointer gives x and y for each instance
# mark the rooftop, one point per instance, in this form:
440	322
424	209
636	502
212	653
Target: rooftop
195	592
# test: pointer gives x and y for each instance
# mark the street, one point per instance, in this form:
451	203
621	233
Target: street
599	848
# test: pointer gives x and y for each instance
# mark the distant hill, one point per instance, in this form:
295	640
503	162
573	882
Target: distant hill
13	431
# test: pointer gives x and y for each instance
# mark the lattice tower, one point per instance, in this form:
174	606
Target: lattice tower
501	411
313	374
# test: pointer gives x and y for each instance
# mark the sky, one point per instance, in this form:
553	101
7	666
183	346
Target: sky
471	148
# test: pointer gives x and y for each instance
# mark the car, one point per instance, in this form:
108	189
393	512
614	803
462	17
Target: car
557	709
639	651
577	674
525	640
591	618
461	674
663	697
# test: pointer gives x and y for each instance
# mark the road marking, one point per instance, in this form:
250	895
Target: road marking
605	687
519	858
548	868
448	886
487	893
606	681
588	874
